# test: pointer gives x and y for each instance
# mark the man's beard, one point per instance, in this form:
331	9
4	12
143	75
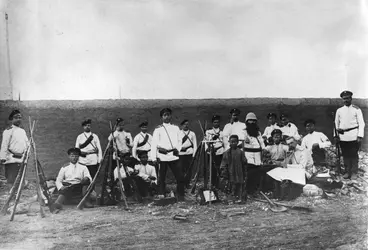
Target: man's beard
252	129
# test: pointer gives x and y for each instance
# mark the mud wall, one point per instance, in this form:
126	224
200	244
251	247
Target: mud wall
59	122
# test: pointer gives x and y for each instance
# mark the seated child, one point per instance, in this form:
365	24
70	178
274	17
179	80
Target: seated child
146	179
233	170
126	177
72	180
277	151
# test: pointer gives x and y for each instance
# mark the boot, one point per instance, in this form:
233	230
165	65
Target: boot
58	204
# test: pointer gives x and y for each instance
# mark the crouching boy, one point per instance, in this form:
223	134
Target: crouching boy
72	181
234	170
146	179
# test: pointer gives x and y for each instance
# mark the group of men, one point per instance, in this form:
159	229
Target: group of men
173	147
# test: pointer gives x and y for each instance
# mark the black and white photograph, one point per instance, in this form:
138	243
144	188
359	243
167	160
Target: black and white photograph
183	124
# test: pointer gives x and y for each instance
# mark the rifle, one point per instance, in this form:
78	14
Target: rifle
337	145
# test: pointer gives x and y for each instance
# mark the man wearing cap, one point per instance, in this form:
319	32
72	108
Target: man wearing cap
215	134
13	147
166	145
188	149
124	140
350	127
142	141
89	144
288	129
235	127
267	137
72	180
315	142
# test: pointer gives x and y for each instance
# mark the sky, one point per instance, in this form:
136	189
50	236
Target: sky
140	49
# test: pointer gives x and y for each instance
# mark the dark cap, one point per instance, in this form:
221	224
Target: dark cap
346	93
85	122
13	113
309	121
235	111
142	153
276	131
143	124
184	121
283	116
165	110
216	118
119	120
271	115
74	151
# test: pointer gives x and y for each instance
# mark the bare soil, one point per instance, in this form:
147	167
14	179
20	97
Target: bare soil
336	223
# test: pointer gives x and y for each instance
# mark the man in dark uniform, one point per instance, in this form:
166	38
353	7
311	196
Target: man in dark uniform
350	128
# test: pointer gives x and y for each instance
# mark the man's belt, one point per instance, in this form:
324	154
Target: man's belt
84	154
162	151
252	150
342	131
142	151
16	155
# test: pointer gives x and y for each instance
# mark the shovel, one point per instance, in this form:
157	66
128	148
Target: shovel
274	208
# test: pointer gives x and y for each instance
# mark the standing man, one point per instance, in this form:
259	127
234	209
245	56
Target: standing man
188	149
124	140
235	127
142	141
13	147
89	144
272	125
350	127
166	145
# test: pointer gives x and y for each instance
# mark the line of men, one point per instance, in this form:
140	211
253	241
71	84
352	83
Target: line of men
174	148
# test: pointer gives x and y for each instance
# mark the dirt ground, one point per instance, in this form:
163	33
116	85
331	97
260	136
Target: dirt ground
336	223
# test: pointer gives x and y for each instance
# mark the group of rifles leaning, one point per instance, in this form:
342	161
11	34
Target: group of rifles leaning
241	153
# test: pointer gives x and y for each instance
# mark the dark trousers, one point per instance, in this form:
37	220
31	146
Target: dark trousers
145	188
216	170
73	193
92	170
178	173
11	172
319	157
184	164
349	150
258	178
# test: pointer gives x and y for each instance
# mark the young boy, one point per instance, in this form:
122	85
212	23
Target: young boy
142	141
13	147
315	142
89	144
267	137
215	134
234	169
127	182
147	178
72	180
124	141
188	149
277	151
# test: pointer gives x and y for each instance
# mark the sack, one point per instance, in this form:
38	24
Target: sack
312	190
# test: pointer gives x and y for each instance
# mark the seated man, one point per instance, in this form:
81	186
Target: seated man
298	155
277	151
127	182
146	179
72	180
315	142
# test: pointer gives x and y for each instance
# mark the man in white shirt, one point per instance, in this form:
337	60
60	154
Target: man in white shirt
166	145
235	127
13	147
299	155
188	149
72	180
272	125
215	134
124	140
315	142
350	127
89	144
288	129
142	141
146	178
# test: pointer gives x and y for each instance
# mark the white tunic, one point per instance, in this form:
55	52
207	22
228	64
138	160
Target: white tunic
235	128
122	172
350	117
14	141
145	171
290	130
192	140
269	129
73	173
219	141
121	143
93	146
315	137
165	136
252	142
139	138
